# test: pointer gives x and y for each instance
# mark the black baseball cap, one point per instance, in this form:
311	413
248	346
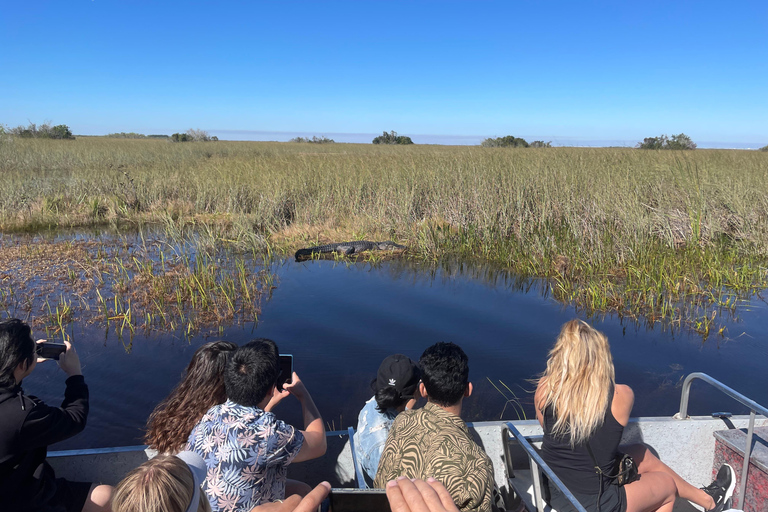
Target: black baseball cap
398	371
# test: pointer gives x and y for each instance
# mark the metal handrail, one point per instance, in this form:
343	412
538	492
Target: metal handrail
538	463
361	484
754	408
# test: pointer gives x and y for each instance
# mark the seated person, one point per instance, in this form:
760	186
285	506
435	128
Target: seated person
394	388
246	449
583	413
166	483
28	426
434	441
201	388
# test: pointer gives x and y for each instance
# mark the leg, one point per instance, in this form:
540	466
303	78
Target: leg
98	499
648	462
651	492
296	487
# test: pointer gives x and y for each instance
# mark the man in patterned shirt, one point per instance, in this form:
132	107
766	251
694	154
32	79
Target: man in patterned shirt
434	441
246	449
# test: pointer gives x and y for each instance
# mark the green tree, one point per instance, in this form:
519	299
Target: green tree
679	142
392	138
509	141
541	144
764	148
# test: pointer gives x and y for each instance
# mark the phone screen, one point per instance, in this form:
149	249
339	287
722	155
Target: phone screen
358	500
286	371
50	350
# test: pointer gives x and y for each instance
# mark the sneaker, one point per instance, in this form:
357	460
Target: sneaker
721	488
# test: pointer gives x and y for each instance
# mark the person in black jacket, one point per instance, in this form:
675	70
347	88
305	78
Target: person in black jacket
28	426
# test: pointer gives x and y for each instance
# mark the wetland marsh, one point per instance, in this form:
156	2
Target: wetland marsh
141	250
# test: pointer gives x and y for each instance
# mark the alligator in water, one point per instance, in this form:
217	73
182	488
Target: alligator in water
347	248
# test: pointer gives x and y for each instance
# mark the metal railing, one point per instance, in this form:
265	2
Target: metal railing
754	408
537	466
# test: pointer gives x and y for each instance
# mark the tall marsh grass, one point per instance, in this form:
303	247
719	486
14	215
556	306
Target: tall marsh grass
663	235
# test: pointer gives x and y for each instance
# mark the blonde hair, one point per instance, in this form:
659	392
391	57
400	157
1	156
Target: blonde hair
577	380
162	484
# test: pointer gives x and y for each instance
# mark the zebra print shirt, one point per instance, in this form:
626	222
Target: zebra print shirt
434	442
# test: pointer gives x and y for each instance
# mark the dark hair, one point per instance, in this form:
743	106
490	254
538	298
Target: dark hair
16	346
445	373
389	398
201	388
252	372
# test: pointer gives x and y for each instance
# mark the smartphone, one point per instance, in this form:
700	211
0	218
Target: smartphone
286	371
358	500
50	350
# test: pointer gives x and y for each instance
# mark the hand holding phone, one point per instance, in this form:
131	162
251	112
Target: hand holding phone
405	495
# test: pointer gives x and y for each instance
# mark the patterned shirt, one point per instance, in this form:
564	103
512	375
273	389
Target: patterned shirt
247	452
434	442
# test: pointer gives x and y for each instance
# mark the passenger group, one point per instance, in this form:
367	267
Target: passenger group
221	448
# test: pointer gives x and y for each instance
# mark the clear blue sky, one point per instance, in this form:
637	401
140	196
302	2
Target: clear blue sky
573	72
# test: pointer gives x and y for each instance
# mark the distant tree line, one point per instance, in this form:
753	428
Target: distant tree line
510	141
392	138
314	140
44	131
192	135
681	141
764	148
133	135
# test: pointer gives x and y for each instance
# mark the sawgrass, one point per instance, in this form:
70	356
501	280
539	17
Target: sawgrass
663	236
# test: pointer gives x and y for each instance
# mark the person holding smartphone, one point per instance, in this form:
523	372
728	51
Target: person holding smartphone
28	426
247	450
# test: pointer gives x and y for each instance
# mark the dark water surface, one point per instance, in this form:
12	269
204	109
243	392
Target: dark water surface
341	320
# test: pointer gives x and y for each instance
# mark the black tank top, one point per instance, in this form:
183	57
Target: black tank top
574	466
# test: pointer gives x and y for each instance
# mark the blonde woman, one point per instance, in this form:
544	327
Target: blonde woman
166	483
581	408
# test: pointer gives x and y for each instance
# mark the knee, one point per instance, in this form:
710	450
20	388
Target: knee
99	498
667	487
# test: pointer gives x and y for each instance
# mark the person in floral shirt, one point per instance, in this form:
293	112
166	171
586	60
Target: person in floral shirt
246	449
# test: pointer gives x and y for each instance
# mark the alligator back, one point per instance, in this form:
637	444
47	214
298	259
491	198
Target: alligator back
346	248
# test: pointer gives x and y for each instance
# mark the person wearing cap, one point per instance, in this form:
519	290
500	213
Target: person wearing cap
28	426
394	388
165	483
434	441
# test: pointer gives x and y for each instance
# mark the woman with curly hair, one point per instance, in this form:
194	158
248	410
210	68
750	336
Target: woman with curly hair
583	413
201	388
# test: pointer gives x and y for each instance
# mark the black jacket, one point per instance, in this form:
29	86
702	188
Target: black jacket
27	427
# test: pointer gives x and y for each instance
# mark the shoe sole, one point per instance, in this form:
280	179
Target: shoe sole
729	491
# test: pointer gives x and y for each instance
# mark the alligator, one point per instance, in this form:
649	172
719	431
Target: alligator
347	248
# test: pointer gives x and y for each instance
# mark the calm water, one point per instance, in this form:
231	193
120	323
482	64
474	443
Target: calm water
341	320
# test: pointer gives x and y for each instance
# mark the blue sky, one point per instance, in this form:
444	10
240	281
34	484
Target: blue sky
576	73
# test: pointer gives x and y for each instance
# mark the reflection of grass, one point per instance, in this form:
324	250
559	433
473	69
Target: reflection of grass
511	400
663	236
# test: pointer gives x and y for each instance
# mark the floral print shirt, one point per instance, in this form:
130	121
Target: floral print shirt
247	452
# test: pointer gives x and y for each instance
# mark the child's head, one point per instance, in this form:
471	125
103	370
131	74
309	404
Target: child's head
166	483
252	372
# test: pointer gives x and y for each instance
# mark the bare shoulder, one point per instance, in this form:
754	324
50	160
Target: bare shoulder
623	400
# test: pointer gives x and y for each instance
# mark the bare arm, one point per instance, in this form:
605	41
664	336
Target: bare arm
538	400
623	400
314	431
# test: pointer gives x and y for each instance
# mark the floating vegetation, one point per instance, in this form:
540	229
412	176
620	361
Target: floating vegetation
128	285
